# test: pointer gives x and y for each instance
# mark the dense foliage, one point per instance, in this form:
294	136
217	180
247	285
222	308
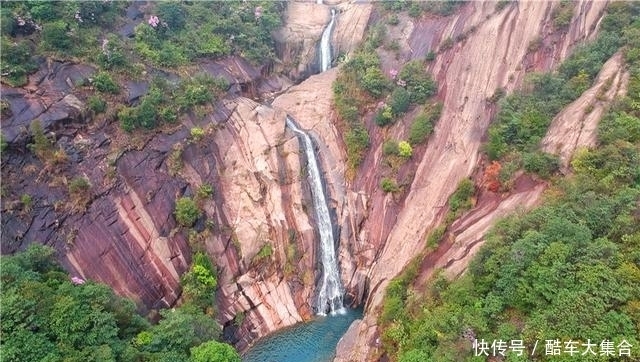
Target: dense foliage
524	116
361	83
199	283
171	34
568	270
187	211
182	32
164	102
423	124
47	317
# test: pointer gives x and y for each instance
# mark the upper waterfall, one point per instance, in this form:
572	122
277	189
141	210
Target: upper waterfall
325	43
330	290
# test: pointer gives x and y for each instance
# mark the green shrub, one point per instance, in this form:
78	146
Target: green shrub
263	255
3	143
168	114
79	185
400	101
460	200
97	104
374	82
435	236
27	202
204	191
197	133
357	141
562	14
213	351
388	185
418	81
56	37
16	62
415	9
112	53
127	119
394	5
431	56
42	146
384	116
375	37
104	83
446	44
200	89
390	147
541	163
423	124
186	212
146	113
199	283
192	94
404	149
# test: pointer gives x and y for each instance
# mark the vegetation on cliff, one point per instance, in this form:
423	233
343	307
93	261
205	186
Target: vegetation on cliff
525	116
157	51
167	35
361	86
567	270
47	316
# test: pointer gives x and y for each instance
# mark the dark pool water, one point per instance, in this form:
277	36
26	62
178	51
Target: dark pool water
313	341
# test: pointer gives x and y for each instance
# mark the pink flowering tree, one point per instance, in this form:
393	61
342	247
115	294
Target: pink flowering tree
154	21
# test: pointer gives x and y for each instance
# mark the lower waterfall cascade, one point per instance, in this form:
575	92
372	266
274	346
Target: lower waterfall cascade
330	291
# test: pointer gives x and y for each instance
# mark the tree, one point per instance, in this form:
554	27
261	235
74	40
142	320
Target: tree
46	317
55	35
213	351
404	149
374	82
178	331
418	81
187	211
173	14
400	100
200	282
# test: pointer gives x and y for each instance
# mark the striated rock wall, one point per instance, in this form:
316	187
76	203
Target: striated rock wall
490	51
576	126
298	40
263	186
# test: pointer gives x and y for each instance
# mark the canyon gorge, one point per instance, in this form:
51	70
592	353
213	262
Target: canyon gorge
279	217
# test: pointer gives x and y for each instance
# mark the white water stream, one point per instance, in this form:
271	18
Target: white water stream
325	43
330	290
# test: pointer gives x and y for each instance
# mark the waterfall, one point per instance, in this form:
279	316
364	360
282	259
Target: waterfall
330	291
325	43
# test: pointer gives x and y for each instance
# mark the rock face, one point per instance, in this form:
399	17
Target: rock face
493	53
298	40
565	135
264	205
48	97
123	231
